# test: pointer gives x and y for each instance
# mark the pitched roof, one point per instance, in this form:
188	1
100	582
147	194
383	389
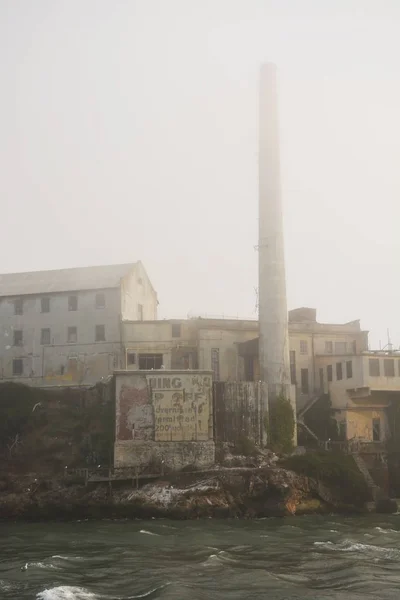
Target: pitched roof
63	280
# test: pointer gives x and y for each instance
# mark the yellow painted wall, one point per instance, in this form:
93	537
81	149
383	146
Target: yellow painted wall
359	424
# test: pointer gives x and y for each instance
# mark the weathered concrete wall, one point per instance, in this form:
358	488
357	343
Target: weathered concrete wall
84	361
359	424
174	455
161	412
225	342
137	291
238	411
156	337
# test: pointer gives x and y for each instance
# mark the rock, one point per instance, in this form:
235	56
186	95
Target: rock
387	506
299	451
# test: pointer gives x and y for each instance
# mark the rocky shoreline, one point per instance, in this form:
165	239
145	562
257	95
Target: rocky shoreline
251	491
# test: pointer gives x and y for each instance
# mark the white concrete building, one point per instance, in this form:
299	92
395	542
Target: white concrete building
63	327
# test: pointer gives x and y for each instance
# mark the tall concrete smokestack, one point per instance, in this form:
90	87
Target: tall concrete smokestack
273	315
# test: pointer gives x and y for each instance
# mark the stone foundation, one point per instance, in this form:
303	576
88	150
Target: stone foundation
175	455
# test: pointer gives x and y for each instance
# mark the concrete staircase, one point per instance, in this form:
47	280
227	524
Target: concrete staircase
302	412
307	407
375	490
306	428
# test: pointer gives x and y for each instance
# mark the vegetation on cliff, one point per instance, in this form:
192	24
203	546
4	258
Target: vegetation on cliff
338	471
50	429
280	426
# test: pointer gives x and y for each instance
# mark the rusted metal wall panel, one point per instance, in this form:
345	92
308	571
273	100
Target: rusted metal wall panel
238	411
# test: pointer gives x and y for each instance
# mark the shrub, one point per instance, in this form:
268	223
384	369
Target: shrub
333	469
244	446
280	425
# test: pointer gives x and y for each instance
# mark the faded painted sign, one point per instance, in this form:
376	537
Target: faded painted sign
136	413
172	407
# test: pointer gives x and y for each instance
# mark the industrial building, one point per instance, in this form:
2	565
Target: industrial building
63	327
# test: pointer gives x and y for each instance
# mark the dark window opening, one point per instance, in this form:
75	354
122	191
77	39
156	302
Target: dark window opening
376	430
303	347
18	337
339	371
215	363
62	370
374	369
176	330
45	304
292	355
388	367
18	306
72	335
329	347
140	312
329	372
147	362
100	333
349	369
304	381
45	336
354	347
18	366
131	358
72	302
321	380
342	431
100	300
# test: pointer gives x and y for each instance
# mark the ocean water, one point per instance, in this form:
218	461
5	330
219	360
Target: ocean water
295	558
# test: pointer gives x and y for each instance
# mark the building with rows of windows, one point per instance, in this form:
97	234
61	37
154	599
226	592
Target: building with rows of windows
63	327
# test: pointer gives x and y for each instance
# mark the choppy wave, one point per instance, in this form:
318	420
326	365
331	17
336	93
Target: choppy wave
66	592
351	546
315	557
381	530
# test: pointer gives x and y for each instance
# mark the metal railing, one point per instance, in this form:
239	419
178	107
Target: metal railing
354	447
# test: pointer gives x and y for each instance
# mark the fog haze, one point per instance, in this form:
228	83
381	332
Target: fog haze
129	131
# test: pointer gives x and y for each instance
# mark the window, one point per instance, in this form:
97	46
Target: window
45	336
321	380
340	347
304	381
148	362
140	312
303	347
176	330
388	367
18	366
329	373
18	306
374	370
72	335
100	300
45	304
354	347
342	431
339	371
100	333
215	363
328	347
292	355
131	358
72	302
376	430
18	337
349	369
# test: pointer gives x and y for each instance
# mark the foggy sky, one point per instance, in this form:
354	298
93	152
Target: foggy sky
129	131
